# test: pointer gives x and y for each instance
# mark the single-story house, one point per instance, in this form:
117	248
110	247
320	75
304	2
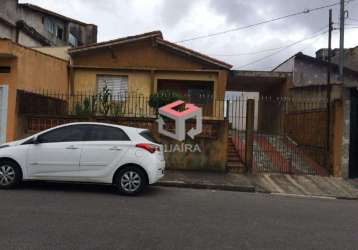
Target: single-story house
147	63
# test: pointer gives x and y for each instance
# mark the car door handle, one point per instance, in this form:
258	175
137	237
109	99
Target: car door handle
72	147
115	149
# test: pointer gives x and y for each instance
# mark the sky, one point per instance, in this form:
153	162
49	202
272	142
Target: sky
184	19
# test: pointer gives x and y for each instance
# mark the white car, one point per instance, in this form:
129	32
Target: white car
126	157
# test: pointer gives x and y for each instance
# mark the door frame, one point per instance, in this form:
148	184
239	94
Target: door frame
4	95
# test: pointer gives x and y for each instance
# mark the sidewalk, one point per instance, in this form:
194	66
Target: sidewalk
292	185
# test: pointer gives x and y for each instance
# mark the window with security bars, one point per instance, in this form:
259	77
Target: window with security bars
118	85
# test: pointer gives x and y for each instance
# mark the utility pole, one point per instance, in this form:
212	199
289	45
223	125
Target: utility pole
341	41
329	87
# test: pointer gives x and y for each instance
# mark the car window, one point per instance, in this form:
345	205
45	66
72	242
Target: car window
147	135
70	133
106	133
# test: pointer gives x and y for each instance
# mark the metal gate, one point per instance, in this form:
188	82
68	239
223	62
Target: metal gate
286	135
3	112
353	151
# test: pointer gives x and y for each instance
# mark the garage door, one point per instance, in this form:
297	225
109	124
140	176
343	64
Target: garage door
3	112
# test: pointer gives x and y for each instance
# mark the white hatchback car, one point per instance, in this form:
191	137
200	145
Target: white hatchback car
126	157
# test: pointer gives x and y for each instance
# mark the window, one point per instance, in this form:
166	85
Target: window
117	84
72	40
106	133
200	96
5	69
72	133
147	135
59	33
49	25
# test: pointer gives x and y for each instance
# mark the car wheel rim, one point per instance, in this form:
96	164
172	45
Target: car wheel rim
7	175
130	181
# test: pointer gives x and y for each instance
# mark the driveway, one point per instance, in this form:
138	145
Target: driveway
58	216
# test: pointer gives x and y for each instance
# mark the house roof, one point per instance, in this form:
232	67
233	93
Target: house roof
158	36
49	12
311	59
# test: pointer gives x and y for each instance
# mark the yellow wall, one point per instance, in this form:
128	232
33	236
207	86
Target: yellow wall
31	71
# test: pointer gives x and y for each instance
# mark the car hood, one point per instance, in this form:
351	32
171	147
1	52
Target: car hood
15	143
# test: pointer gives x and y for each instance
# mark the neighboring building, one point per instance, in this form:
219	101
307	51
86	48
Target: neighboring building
309	80
350	57
22	69
33	26
309	77
145	64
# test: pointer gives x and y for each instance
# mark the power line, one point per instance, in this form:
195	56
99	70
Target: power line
301	49
248	53
353	19
304	12
284	48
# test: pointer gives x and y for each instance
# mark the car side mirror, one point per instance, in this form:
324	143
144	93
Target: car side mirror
36	140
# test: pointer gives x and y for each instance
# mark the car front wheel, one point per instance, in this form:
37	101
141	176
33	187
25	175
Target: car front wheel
10	175
131	181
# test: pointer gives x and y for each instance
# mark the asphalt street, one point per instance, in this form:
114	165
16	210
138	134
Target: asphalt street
58	216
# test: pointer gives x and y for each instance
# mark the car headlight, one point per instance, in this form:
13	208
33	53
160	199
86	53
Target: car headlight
4	146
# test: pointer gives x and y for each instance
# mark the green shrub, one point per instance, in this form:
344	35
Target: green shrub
162	98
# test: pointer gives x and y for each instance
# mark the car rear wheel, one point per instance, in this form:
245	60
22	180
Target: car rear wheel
10	175
131	181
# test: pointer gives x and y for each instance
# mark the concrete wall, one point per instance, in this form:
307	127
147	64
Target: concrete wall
308	73
32	71
8	10
27	41
7	31
350	58
59	52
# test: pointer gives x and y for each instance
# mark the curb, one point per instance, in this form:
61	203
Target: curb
326	197
224	187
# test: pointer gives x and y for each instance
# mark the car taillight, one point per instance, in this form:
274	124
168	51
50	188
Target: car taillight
149	147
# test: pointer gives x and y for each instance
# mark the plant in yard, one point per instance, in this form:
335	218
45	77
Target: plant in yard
83	108
117	108
78	109
105	99
93	104
163	98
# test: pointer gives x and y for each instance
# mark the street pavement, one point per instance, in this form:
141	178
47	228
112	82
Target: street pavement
61	216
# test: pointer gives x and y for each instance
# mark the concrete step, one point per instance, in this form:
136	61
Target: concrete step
235	167
234	164
234	159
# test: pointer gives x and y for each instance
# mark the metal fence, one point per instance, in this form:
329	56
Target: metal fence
289	135
119	105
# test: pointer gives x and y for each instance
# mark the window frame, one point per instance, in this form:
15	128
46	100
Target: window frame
49	25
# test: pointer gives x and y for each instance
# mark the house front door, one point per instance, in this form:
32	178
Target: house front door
3	112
